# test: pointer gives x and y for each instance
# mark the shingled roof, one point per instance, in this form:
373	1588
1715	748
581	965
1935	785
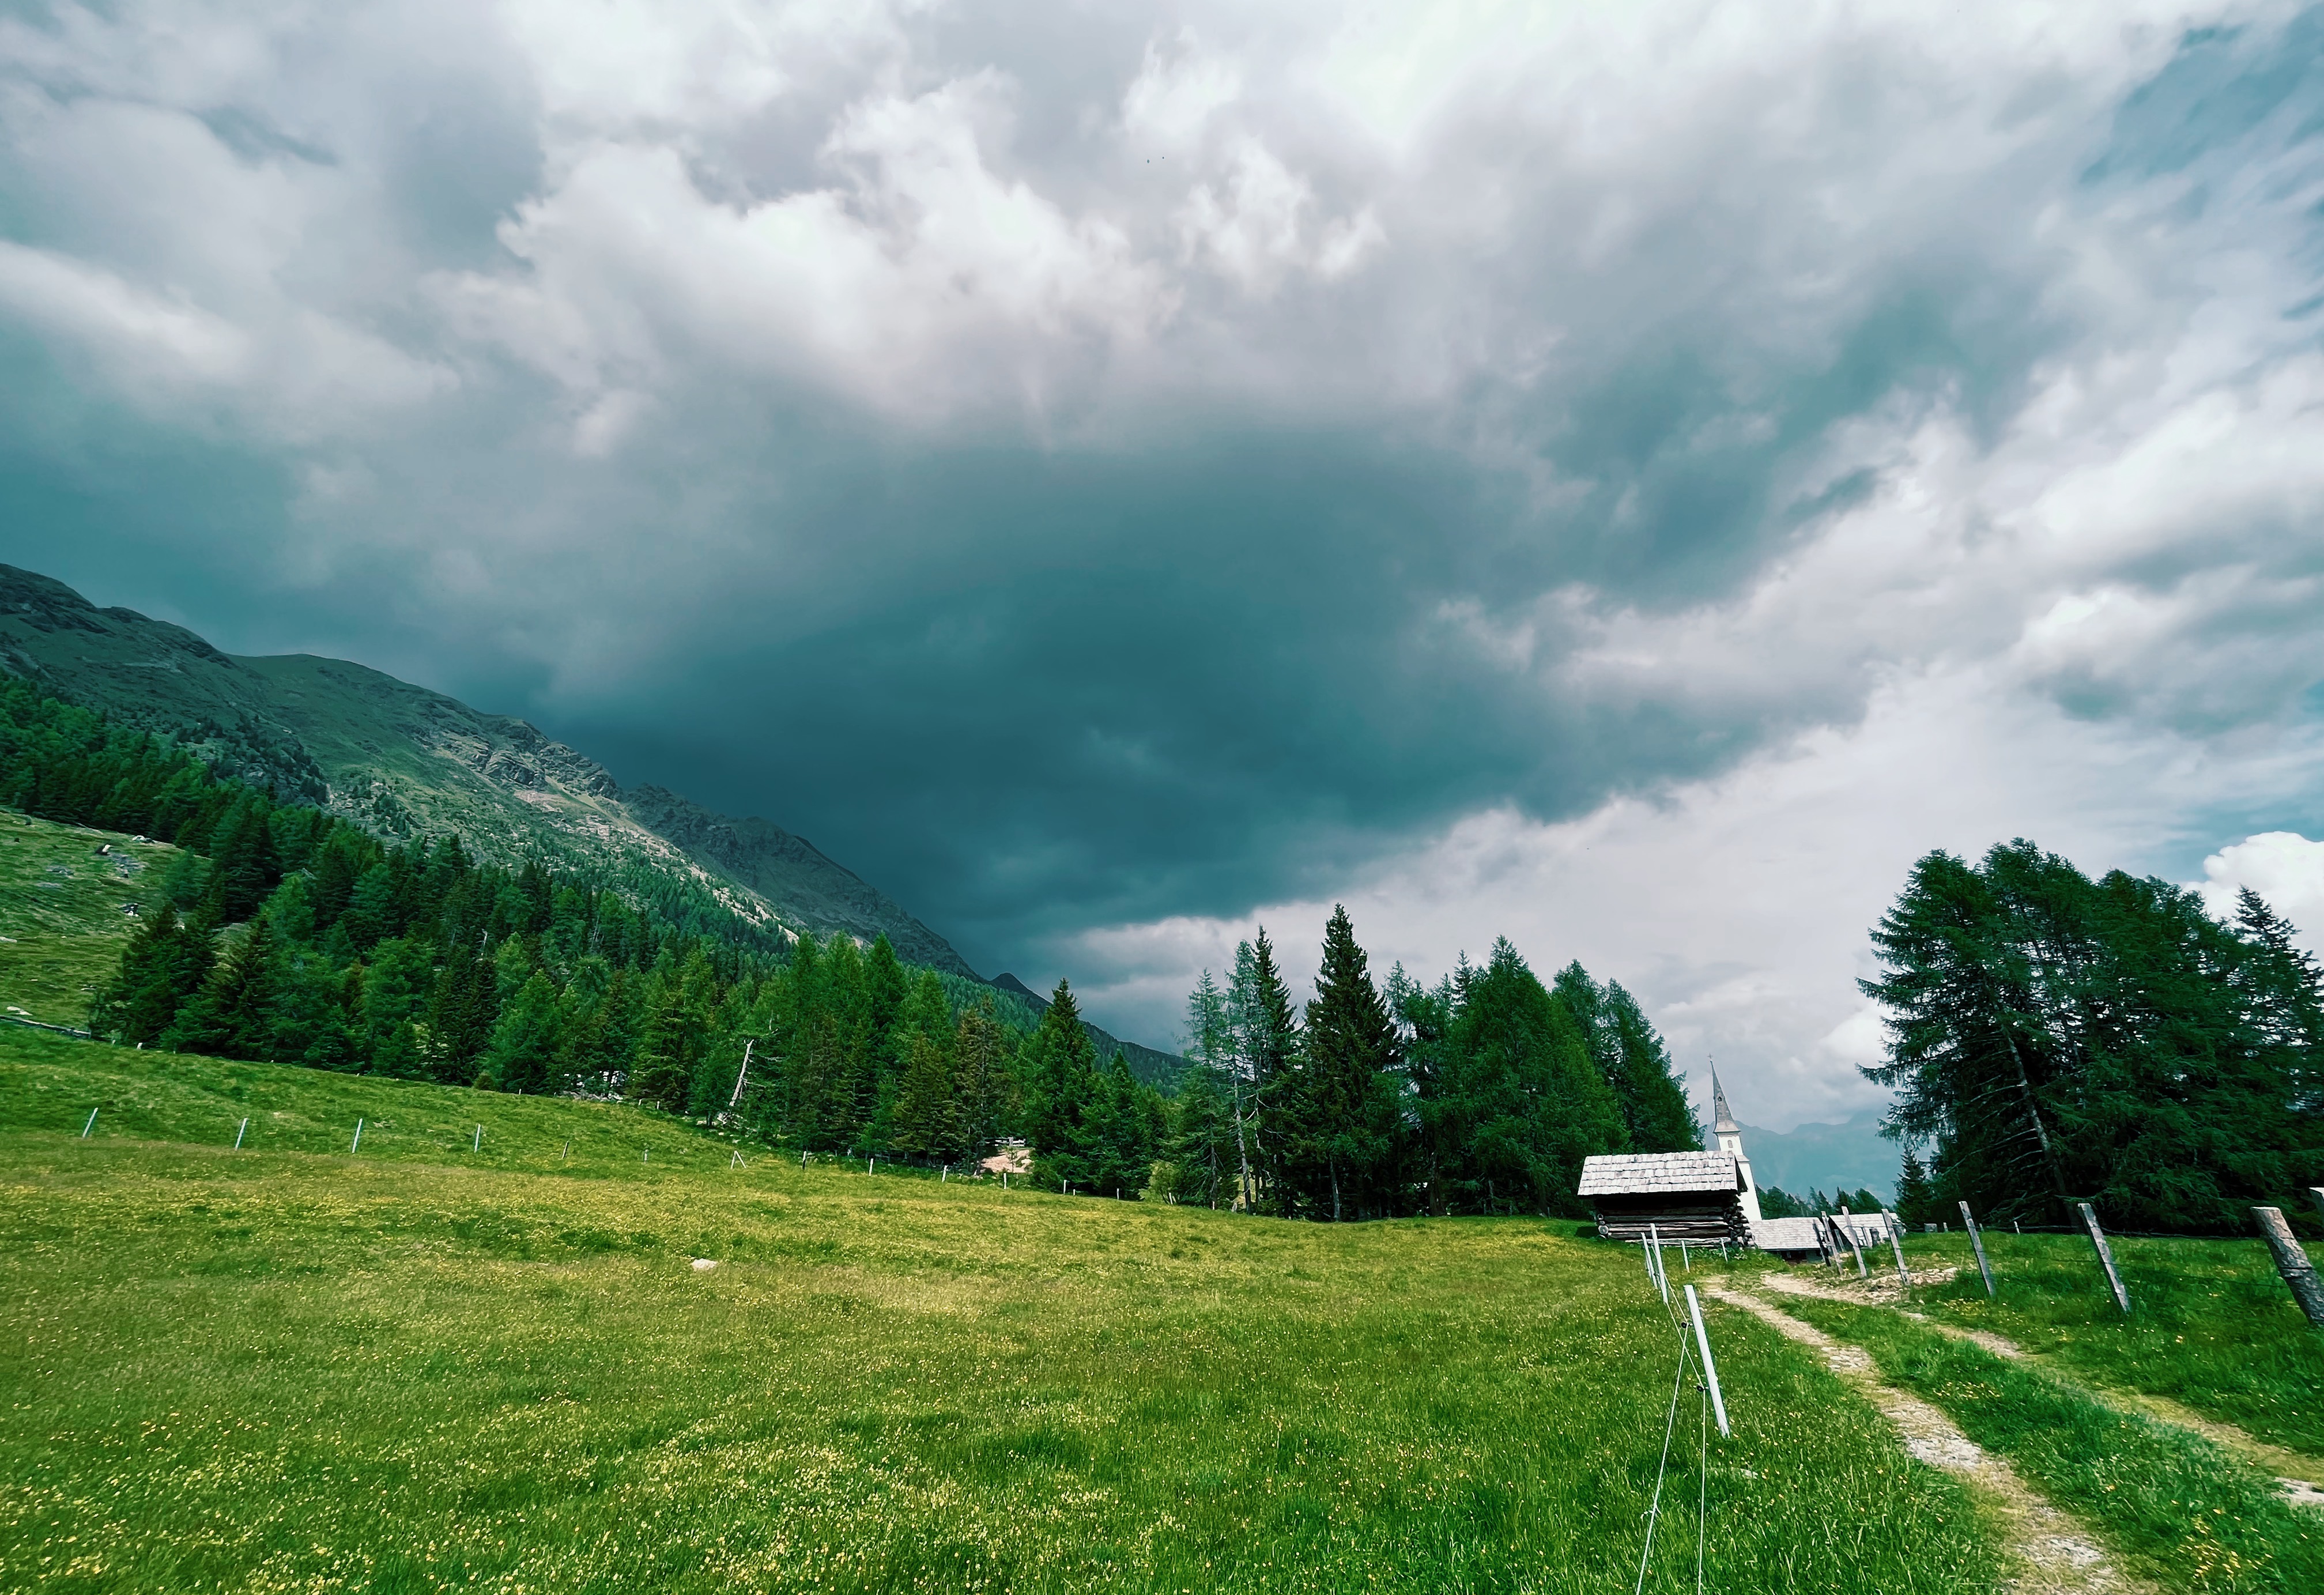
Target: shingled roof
1655	1174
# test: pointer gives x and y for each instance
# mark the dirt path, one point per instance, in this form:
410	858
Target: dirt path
2300	1477
2056	1555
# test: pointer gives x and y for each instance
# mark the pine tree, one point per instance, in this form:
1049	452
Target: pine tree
162	966
2060	1039
524	1055
981	1084
1521	1094
1060	1072
1266	1047
461	1016
668	1044
233	1016
1212	1151
927	1119
1655	1106
1341	1107
1432	1077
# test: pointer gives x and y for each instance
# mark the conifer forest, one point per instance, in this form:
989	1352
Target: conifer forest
292	935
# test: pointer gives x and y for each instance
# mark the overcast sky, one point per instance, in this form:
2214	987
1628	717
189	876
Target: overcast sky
1626	477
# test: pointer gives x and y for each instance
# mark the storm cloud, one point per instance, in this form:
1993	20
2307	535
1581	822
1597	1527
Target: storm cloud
1629	478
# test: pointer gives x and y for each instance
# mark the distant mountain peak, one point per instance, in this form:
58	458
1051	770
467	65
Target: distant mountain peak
1010	983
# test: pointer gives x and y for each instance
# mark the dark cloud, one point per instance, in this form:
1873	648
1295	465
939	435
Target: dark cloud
860	428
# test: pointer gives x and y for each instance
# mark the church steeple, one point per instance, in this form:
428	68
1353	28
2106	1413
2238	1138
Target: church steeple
1730	1141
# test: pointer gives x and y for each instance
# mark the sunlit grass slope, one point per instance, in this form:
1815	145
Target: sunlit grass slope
2211	1324
425	1368
60	912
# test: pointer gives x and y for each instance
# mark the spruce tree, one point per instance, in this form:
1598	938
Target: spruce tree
233	1016
1060	1072
982	1085
1340	1101
926	1117
162	966
1655	1105
1214	1148
526	1040
1522	1096
1266	1047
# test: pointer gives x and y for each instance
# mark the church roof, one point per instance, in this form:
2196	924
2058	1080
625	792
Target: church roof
1726	1124
1647	1174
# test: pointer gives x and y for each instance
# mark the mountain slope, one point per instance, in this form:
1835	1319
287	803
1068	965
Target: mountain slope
403	761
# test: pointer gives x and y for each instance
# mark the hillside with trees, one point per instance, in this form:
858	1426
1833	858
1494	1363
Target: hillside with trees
403	763
286	933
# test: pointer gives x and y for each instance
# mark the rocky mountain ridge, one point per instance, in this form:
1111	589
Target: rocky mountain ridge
404	761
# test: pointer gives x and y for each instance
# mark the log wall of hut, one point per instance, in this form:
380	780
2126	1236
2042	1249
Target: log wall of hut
1704	1218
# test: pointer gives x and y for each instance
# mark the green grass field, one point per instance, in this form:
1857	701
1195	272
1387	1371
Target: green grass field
425	1368
62	924
2212	1325
475	1352
2176	1508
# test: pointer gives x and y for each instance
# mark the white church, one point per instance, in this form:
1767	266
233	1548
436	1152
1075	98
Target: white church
1706	1198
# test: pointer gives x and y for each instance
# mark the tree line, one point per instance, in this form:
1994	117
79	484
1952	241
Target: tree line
1481	1093
1775	1203
2054	1039
287	933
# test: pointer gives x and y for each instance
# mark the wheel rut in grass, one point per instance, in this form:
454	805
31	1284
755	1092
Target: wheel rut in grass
2298	1477
2056	1556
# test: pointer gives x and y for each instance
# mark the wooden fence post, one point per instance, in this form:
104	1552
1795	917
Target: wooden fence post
2291	1262
1848	1225
1896	1245
2105	1255
2317	1191
1978	1242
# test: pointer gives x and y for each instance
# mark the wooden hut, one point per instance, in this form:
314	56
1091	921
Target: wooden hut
1695	1197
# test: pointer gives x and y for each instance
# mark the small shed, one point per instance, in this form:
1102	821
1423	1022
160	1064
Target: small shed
1804	1238
1695	1197
1792	1240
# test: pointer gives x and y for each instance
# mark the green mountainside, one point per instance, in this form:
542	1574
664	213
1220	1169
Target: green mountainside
403	762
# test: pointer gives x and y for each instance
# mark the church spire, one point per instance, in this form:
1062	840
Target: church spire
1725	1118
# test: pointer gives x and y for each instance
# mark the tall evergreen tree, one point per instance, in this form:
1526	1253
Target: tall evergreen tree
982	1087
162	966
528	1037
2060	1039
926	1114
1267	1048
1340	1097
1060	1072
1655	1106
232	1015
1205	1150
1524	1092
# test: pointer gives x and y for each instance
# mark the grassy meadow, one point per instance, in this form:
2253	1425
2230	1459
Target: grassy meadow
2178	1509
2211	1326
62	924
424	1368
